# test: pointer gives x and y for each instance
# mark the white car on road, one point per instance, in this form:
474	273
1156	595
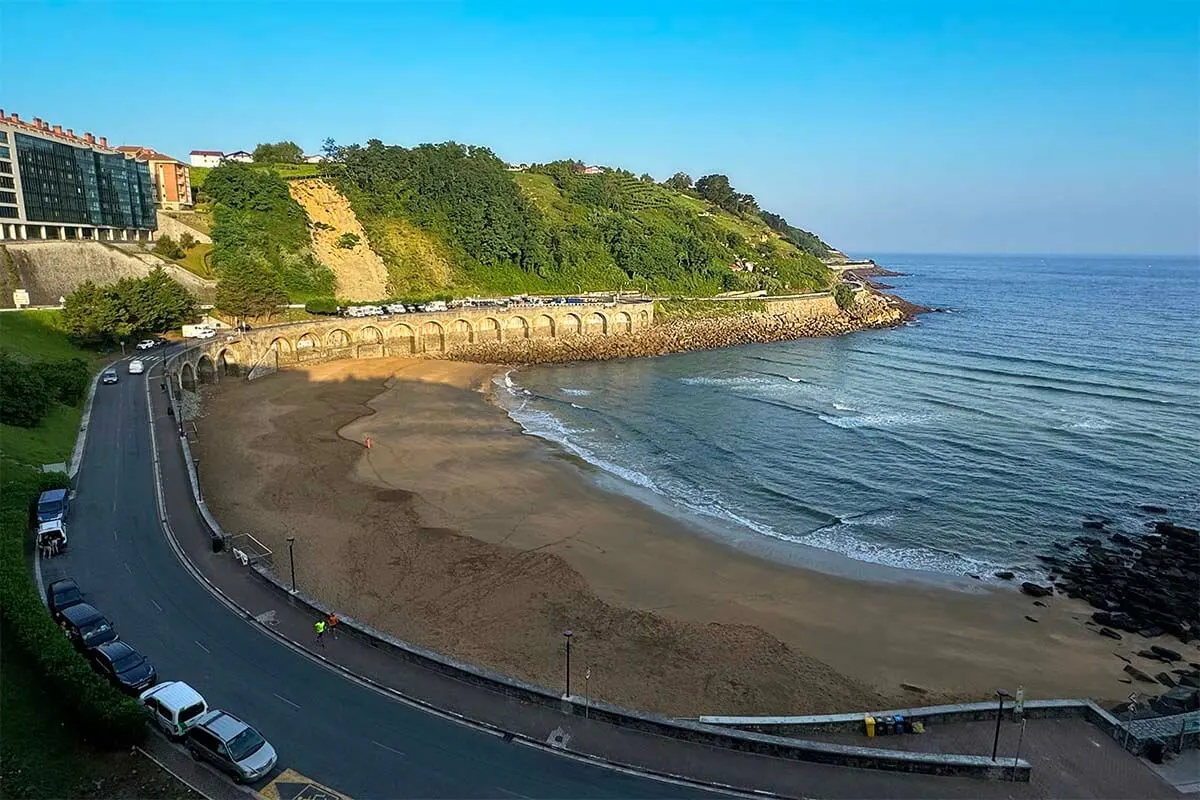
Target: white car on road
146	344
136	367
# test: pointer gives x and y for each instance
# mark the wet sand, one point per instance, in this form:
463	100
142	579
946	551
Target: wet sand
457	532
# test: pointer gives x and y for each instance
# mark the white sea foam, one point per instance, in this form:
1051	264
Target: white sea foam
840	539
894	419
843	407
575	392
1089	424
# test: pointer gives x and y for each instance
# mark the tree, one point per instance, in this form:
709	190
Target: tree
248	288
153	304
24	399
843	295
680	182
168	248
159	303
187	241
95	314
716	190
277	153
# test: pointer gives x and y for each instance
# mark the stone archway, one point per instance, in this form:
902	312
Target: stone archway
461	332
187	377
517	328
370	342
227	364
644	318
337	339
433	338
283	350
570	325
402	339
596	323
206	372
308	347
543	327
487	330
622	323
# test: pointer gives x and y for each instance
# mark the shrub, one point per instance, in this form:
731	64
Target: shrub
66	379
321	305
169	248
347	241
187	241
24	396
105	716
843	295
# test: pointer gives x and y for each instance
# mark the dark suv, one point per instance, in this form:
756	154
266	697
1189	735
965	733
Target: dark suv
86	627
124	666
61	595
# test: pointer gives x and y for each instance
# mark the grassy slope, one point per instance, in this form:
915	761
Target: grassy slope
39	757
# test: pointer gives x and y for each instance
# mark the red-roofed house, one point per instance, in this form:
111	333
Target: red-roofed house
171	177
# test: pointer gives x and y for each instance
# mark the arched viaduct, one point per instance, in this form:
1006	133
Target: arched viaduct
400	335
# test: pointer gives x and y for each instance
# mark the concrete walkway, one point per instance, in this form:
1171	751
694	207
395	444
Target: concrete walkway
573	734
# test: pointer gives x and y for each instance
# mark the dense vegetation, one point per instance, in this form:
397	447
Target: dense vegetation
455	218
278	153
78	695
261	245
131	307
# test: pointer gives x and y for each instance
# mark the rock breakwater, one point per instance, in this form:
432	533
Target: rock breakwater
683	335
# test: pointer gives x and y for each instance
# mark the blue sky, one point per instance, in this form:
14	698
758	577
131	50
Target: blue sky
887	126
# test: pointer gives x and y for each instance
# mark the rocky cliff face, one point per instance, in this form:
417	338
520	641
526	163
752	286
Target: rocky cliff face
360	272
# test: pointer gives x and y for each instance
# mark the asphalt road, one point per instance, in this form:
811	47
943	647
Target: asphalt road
334	730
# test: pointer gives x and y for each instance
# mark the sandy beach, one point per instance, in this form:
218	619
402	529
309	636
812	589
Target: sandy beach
455	531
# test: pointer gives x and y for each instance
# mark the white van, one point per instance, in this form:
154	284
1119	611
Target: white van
174	706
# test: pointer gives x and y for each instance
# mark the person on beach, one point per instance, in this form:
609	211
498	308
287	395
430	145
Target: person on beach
332	622
320	626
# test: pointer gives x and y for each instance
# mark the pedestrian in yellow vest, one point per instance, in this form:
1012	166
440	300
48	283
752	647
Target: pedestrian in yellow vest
320	626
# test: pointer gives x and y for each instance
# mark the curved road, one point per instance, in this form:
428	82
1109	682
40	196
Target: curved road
323	725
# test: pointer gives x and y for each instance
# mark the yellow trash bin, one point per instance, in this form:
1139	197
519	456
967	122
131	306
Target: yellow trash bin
869	722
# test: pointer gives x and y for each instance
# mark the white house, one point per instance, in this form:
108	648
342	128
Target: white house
206	158
315	159
240	156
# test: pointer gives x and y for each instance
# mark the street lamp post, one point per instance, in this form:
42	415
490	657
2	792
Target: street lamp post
291	540
1001	694
567	635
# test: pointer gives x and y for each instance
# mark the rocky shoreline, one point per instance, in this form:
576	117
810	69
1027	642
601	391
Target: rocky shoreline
678	336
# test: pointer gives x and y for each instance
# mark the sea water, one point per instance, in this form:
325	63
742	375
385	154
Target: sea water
1047	390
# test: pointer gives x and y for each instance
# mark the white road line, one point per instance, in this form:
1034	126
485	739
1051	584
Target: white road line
156	605
389	749
202	647
289	702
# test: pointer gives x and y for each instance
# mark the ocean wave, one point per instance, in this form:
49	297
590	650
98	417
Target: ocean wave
840	538
1088	423
744	380
892	419
843	407
575	392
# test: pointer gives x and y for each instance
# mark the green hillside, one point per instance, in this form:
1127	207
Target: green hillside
451	218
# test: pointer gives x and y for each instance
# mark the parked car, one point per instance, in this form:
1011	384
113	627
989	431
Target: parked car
174	706
52	504
147	344
136	367
86	627
231	745
62	594
54	533
109	376
124	666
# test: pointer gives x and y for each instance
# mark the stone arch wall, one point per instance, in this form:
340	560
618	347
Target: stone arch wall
338	337
370	342
622	323
488	330
461	332
308	347
570	325
370	335
517	327
433	337
543	327
227	363
206	371
187	377
402	339
596	324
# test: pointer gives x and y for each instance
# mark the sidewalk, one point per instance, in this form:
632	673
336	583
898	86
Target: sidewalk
569	732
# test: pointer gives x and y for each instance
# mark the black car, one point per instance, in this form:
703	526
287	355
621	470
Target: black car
62	595
124	666
86	627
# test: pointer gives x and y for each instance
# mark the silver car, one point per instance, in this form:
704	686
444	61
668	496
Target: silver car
231	745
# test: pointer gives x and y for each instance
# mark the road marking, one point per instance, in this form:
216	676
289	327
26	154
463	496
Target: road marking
289	702
389	749
291	785
156	605
202	647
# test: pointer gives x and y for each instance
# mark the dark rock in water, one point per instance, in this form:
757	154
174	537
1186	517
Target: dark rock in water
1149	509
1120	538
1031	619
1166	653
1194	664
1033	590
1094	524
1151	633
1004	575
1191	680
1039	603
973	575
1151	655
1165	680
1137	674
1177	701
1110	633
